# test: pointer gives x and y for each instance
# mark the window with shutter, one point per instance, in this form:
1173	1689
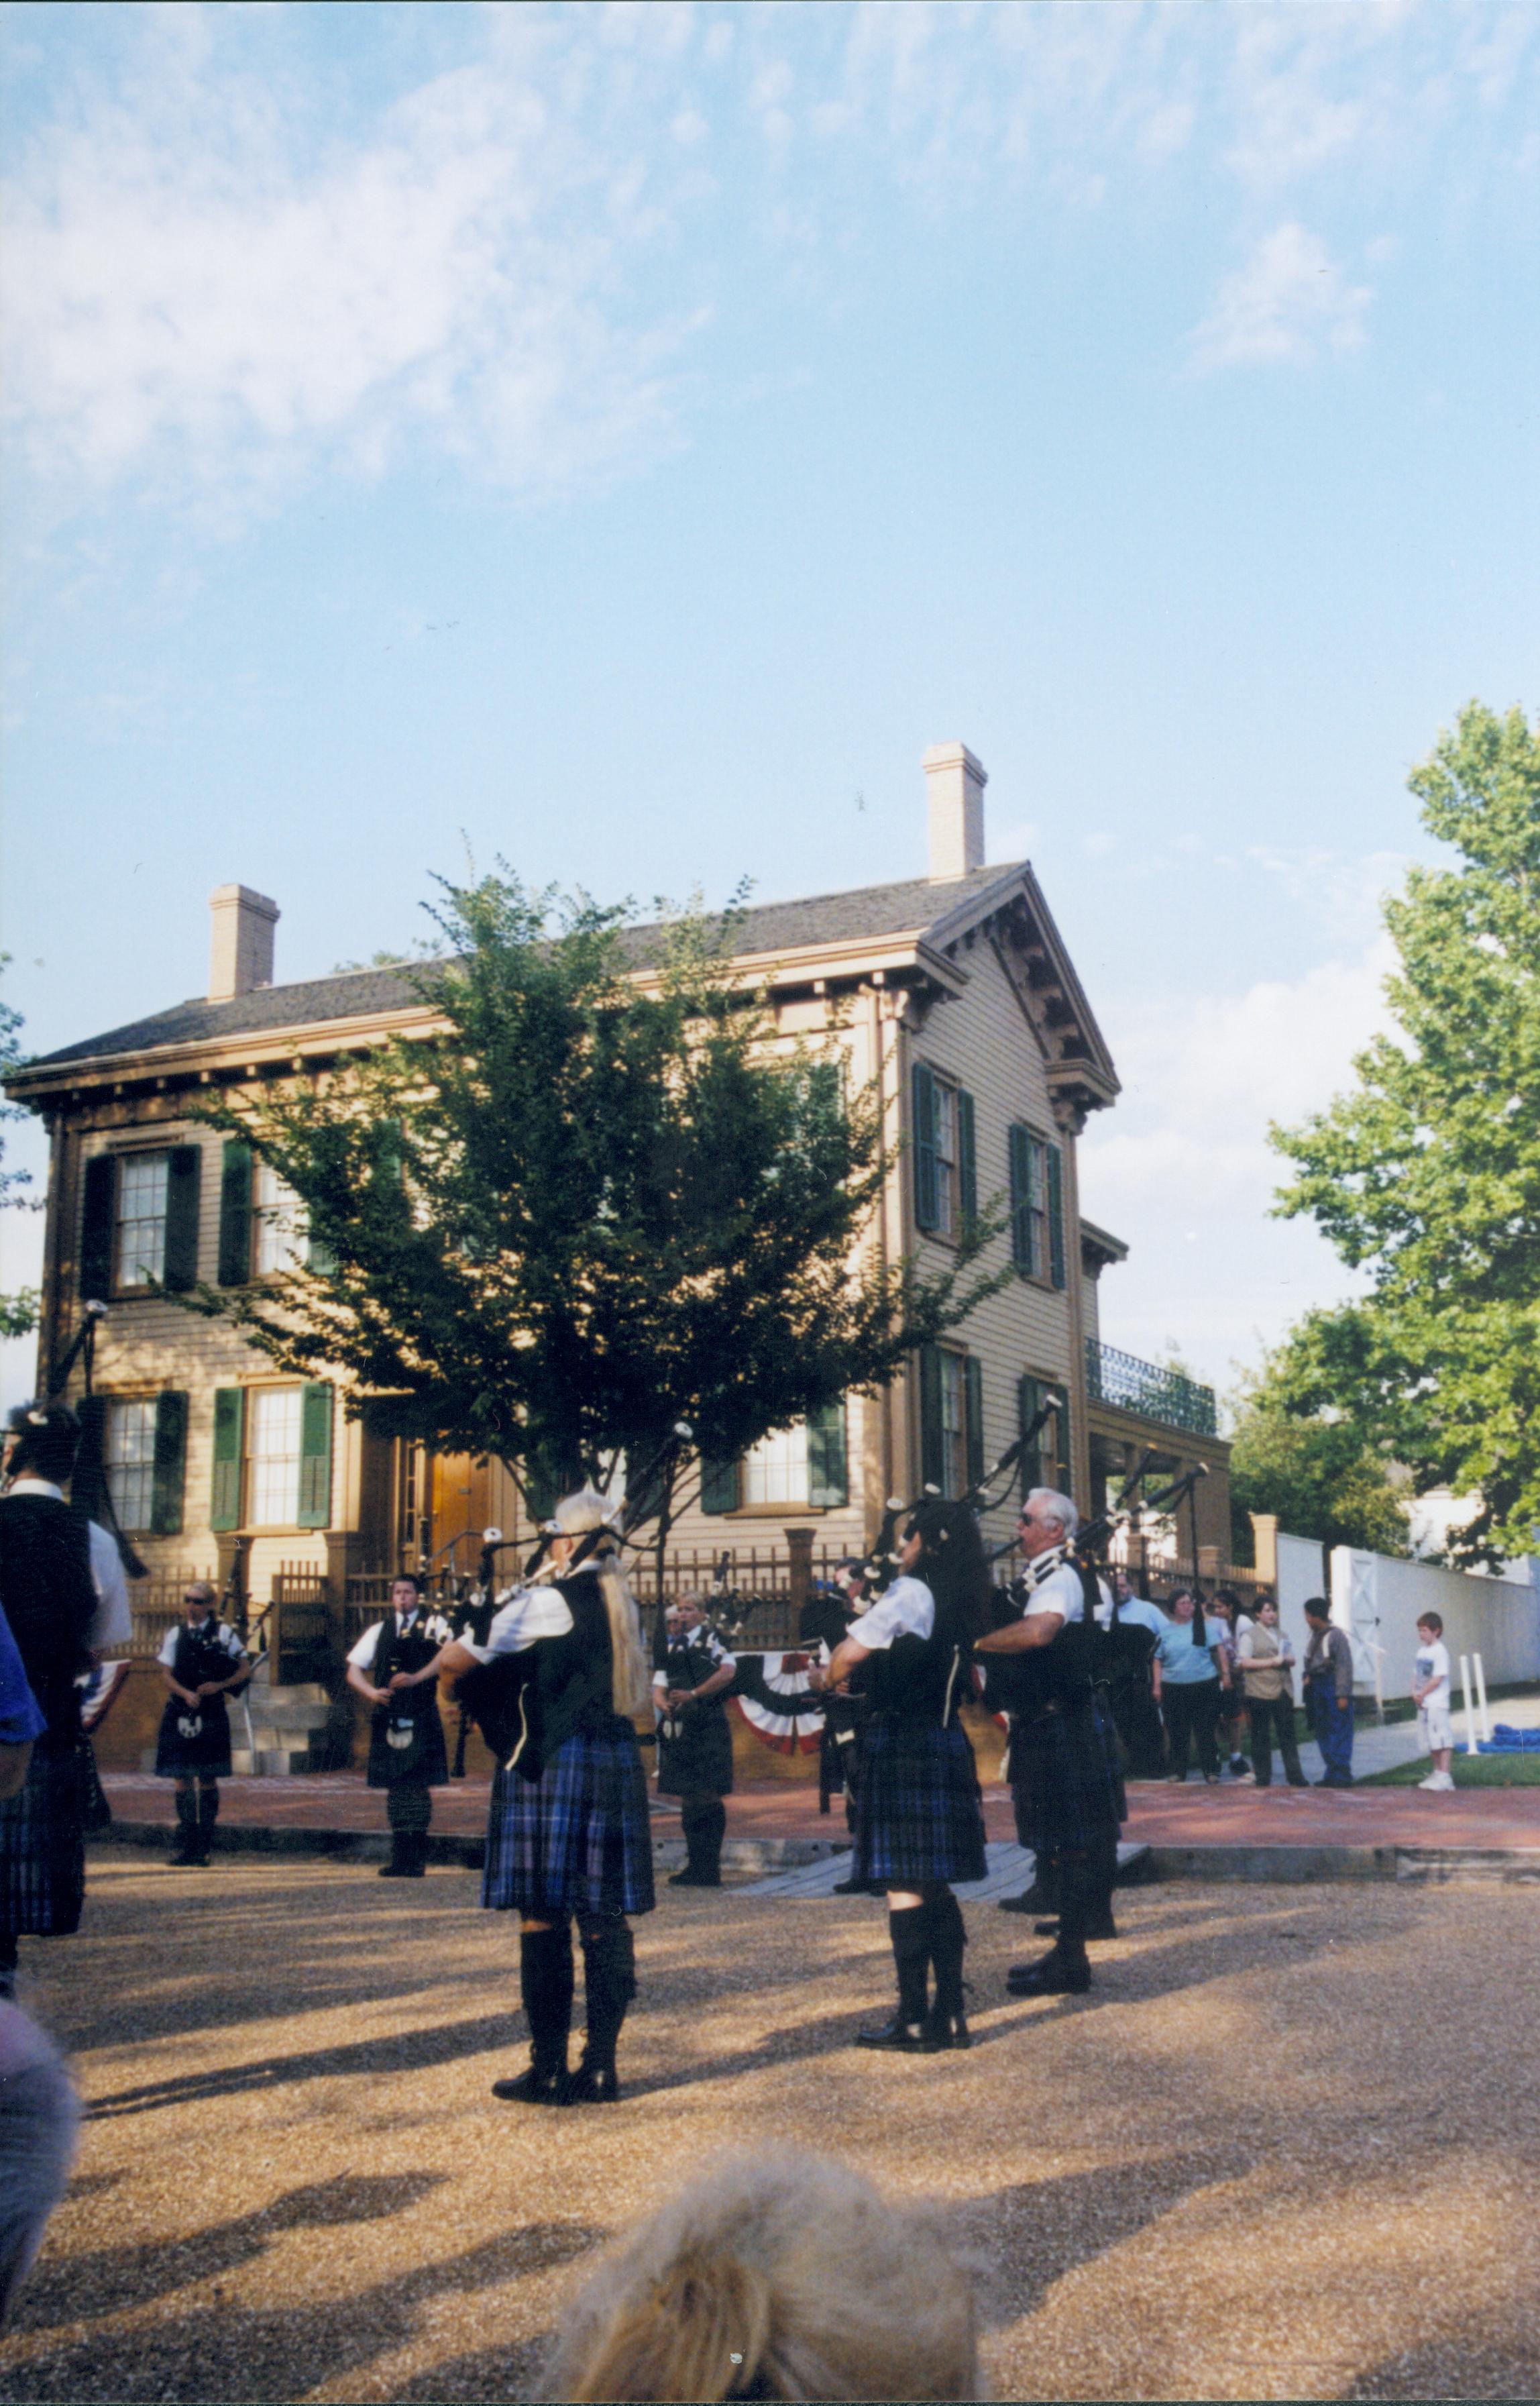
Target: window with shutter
1021	1213
932	1437
185	1168
828	1479
1056	1214
143	1181
98	1222
973	1397
314	1484
224	1508
169	1464
129	1458
1046	1461
235	1214
926	1167
1034	1186
87	1487
718	1486
968	1161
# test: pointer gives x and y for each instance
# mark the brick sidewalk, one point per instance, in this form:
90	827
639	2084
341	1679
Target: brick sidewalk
1159	1814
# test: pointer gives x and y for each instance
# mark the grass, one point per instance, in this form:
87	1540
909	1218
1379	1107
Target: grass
1470	1771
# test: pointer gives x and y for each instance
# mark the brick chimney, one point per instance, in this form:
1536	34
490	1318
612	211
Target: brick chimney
955	783
241	954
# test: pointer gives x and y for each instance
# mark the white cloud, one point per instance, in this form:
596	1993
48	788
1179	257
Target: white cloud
1285	304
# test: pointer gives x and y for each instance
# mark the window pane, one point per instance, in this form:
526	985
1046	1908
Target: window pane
946	1157
131	1460
954	1425
279	1220
274	1451
141	1217
776	1472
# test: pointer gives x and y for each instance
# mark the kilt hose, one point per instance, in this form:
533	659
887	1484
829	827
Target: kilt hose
918	1812
1064	1792
1107	1730
43	1846
576	1841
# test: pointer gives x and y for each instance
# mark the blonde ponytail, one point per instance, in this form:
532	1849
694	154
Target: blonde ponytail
631	1684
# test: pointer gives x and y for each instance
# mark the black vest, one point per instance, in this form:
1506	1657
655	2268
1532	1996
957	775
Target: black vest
689	1663
1058	1676
529	1704
200	1656
402	1649
918	1679
50	1599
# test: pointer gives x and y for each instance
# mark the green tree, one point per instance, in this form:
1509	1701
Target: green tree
1319	1474
603	1199
17	1312
1427	1177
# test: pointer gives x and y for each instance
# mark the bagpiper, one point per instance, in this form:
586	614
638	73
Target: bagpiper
203	1662
407	1756
695	1738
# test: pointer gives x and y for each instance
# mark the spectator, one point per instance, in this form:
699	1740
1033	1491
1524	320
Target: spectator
21	1717
1223	1612
1265	1661
1188	1684
1431	1695
1329	1693
784	2276
38	2114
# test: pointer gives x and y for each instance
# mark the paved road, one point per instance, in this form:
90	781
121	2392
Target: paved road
294	2183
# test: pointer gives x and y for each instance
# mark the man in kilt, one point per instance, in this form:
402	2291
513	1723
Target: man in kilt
203	1662
554	1689
67	1602
406	1749
1065	1777
919	1817
695	1739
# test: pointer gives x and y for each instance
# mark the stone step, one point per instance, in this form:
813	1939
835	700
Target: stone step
277	1712
298	1693
274	1761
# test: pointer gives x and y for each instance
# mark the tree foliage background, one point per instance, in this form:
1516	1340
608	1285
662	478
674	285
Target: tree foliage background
1427	1176
590	1206
1321	1475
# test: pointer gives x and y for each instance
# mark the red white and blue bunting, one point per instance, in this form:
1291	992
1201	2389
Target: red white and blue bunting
772	1692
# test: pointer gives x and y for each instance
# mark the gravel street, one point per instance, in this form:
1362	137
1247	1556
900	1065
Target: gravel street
295	2183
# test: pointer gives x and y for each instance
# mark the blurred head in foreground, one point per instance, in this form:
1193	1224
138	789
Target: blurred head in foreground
783	2277
37	2122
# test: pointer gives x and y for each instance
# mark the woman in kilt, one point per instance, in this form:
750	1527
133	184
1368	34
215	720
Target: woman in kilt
203	1663
1064	1779
406	1750
568	1837
919	1817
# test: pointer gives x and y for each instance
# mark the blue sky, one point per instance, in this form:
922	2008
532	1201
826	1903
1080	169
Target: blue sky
622	439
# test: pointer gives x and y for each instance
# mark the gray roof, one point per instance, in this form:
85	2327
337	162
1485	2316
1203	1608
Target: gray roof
771	927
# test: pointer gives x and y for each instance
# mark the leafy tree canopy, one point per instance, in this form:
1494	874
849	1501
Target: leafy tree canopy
593	1204
1319	1474
1427	1176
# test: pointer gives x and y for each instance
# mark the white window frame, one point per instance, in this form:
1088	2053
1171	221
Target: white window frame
775	1473
130	1460
279	1225
273	1422
139	1260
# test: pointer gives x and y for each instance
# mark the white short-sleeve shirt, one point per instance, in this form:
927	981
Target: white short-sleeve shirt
528	1613
363	1655
908	1610
1433	1663
1061	1591
224	1637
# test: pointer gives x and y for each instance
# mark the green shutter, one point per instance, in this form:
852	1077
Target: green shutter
828	1479
88	1486
927	1190
1021	1199
1055	1214
96	1228
1065	1459
1028	1405
184	1169
315	1510
225	1505
932	1442
974	1405
718	1486
968	1159
165	1508
236	1216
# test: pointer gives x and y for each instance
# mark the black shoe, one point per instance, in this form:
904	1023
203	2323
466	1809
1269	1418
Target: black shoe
851	1888
1049	1976
897	2037
394	1869
531	2088
942	2031
1031	1899
695	1879
591	2084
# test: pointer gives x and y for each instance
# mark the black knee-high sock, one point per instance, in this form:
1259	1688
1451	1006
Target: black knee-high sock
1077	1882
909	1928
8	1952
187	1823
608	1980
545	1983
948	1941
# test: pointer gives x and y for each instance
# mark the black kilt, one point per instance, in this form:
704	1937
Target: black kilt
1063	1790
1107	1730
576	1840
206	1755
700	1760
424	1763
919	1814
43	1845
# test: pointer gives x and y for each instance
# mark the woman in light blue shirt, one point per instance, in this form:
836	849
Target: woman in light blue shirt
1189	1681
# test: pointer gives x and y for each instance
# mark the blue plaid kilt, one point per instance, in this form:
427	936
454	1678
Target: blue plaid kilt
918	1812
578	1839
43	1846
1066	1796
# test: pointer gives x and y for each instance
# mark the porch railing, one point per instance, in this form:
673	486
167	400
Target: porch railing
1148	1388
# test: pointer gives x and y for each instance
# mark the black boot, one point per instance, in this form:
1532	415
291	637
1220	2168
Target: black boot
704	1821
184	1855
609	1981
905	2035
208	1813
397	1868
1043	1894
945	2025
545	1983
1101	1876
1066	1970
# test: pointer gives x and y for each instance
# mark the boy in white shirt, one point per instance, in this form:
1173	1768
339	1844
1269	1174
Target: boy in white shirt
1431	1695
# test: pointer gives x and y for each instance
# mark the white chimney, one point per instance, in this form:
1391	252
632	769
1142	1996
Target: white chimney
955	783
241	954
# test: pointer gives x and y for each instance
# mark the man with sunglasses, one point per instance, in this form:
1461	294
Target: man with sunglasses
1068	1799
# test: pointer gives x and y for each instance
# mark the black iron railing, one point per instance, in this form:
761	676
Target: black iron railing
1160	1394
